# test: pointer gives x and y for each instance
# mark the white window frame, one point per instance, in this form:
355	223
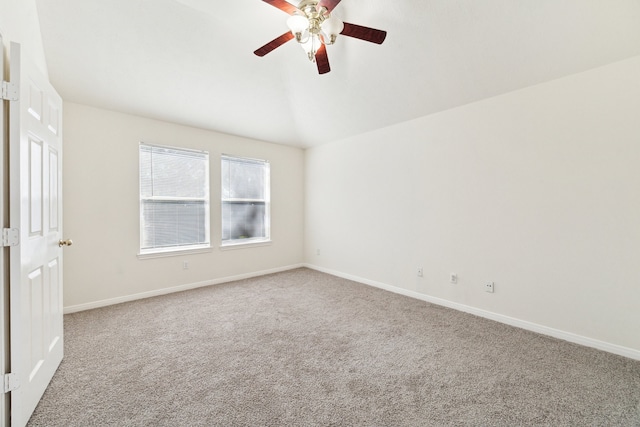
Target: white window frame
177	249
247	242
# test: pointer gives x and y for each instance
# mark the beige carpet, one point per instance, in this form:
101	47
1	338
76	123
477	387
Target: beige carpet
302	348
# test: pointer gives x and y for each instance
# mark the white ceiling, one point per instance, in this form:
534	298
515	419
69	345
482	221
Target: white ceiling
191	61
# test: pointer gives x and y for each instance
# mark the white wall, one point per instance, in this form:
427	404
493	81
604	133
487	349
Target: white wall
19	23
537	190
101	207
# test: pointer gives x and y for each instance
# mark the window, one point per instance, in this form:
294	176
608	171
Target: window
174	199
245	200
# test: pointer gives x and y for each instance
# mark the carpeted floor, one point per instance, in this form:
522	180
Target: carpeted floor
302	348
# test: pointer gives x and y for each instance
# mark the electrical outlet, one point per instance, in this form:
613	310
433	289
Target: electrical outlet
453	278
185	265
317	251
488	287
420	272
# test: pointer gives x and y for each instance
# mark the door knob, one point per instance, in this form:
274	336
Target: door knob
67	242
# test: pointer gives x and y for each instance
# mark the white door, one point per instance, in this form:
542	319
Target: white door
35	208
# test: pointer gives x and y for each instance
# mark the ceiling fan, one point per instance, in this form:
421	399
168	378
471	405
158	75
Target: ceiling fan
314	28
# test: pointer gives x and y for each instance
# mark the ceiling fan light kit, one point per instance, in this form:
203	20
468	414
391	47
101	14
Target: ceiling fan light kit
313	27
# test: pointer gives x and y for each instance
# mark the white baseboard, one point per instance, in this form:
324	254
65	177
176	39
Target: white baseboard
523	324
164	291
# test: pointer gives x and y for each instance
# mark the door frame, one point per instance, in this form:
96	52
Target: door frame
4	259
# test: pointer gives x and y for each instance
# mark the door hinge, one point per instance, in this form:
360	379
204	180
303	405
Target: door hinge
10	237
10	382
9	91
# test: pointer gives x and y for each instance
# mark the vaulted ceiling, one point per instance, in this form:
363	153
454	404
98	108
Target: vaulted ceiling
191	61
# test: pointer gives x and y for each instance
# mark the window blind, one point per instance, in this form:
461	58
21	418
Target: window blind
174	198
245	200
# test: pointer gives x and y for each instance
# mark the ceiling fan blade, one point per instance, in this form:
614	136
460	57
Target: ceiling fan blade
329	4
364	33
322	60
273	44
283	6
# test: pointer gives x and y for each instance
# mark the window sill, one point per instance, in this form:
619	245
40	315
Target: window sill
242	245
174	252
